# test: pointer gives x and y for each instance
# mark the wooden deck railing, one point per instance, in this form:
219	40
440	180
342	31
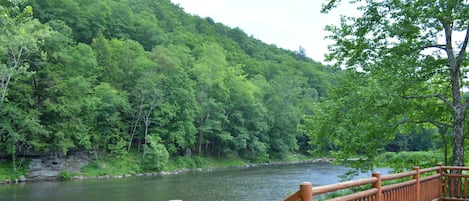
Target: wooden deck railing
454	183
444	183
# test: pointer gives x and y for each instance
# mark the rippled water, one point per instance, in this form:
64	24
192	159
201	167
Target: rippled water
235	184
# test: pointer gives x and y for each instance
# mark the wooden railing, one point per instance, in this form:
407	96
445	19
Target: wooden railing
454	183
444	183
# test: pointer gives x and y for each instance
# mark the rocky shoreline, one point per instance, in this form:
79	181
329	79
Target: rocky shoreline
50	169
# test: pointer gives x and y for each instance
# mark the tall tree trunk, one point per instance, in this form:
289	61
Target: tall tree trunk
459	107
147	122
133	130
443	133
458	146
459	110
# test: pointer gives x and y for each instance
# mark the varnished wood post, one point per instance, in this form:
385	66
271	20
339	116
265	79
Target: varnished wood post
377	185
440	171
417	184
306	191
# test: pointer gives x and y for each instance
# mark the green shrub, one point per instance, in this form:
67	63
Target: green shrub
65	175
199	161
403	161
7	172
156	156
186	162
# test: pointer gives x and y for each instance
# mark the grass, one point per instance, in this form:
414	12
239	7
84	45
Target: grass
225	162
7	172
296	158
112	166
131	164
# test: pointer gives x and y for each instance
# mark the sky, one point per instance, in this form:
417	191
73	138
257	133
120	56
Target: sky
288	24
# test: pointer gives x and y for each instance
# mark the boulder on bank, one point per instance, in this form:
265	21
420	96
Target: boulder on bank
22	178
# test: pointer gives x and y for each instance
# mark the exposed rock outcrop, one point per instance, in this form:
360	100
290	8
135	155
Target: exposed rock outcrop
49	168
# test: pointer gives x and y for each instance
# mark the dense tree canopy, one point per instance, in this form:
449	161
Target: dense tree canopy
405	64
118	76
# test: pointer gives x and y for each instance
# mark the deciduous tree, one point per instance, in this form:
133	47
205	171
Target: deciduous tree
21	40
415	51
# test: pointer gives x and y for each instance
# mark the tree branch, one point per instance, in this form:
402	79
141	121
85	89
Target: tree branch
443	47
463	48
466	105
431	121
439	96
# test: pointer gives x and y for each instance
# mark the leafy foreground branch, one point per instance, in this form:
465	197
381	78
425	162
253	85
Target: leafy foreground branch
405	66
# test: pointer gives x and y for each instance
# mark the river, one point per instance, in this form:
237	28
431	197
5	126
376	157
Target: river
261	183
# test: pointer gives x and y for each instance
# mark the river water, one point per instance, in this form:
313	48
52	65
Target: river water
261	183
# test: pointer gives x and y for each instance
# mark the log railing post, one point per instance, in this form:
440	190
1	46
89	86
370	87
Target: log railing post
306	191
440	171
417	184
377	185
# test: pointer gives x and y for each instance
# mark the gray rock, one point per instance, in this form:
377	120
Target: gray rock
49	168
44	174
22	178
77	178
35	164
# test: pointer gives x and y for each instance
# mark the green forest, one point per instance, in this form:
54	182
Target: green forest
113	77
143	76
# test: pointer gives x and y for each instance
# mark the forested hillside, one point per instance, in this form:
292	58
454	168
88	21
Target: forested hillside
144	76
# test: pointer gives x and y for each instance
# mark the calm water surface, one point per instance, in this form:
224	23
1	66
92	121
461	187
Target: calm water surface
234	184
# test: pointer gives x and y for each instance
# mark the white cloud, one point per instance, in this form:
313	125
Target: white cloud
288	24
202	6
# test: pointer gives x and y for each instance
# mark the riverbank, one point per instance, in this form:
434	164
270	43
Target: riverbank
213	168
82	166
231	184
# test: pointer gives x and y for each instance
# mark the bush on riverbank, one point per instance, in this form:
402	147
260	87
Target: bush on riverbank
8	173
405	160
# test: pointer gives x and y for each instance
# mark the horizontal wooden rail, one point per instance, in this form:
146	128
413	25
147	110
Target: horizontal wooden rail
398	175
454	168
436	183
455	175
399	185
343	185
358	195
432	177
436	168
